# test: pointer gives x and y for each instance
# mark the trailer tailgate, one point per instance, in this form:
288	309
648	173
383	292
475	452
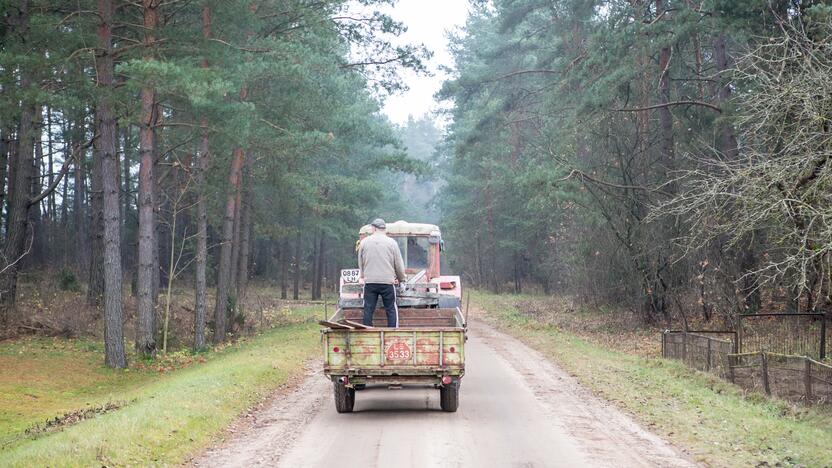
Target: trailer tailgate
405	351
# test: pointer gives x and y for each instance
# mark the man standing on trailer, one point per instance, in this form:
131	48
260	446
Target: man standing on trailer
382	267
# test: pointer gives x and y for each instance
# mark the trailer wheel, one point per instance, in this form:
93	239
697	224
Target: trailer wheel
344	398
449	397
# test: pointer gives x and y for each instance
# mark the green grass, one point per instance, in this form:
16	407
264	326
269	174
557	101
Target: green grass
716	422
165	415
43	378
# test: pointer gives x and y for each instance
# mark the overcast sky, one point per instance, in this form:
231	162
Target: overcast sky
427	22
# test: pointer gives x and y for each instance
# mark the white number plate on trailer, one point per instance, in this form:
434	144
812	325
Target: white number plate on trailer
350	276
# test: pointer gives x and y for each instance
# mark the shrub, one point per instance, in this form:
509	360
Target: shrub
67	281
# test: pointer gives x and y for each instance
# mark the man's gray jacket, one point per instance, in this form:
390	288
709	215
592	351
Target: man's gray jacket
380	259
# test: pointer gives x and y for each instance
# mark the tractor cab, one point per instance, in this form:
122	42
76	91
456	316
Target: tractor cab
421	246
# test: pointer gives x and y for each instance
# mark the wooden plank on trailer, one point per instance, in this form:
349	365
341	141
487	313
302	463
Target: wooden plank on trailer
335	326
360	326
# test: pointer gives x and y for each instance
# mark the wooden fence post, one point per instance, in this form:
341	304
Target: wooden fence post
822	338
685	347
708	361
807	379
731	367
664	344
765	373
739	335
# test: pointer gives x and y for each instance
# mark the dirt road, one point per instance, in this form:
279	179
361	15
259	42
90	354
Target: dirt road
511	414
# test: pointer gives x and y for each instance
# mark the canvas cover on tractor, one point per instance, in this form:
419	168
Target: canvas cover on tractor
403	228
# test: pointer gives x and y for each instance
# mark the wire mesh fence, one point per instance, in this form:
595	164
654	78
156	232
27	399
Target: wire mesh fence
790	334
705	351
821	382
795	378
745	370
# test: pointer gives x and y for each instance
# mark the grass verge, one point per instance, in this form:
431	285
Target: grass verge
715	422
152	415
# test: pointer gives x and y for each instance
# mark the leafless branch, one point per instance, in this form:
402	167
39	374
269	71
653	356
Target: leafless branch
669	104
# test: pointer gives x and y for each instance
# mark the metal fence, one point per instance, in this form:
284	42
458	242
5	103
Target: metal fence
791	334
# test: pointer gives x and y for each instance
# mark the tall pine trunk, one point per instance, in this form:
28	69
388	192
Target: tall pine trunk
113	313
4	161
79	221
145	332
727	136
201	242
285	260
126	185
157	209
245	239
20	167
65	192
322	263
315	291
18	216
296	261
224	274
95	289
36	235
202	211
235	239
51	210
78	217
665	116
14	145
319	267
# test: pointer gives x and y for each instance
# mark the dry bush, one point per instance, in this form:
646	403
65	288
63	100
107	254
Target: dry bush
775	194
46	308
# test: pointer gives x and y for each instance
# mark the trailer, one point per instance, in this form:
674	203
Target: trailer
428	347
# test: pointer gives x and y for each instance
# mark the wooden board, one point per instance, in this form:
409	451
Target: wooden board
335	326
357	325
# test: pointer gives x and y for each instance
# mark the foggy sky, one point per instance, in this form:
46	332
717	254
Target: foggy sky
427	22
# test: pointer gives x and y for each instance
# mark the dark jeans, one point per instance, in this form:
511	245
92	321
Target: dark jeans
388	296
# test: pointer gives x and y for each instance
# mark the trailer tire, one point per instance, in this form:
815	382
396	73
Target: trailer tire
344	398
449	397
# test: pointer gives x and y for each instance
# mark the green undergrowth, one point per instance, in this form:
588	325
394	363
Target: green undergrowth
715	422
60	407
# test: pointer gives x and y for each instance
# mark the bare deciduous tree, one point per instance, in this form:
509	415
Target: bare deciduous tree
780	182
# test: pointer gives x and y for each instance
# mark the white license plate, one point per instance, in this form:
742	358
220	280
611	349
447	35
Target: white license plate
350	276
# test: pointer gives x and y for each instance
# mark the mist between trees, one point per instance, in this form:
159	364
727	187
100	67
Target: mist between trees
665	155
199	141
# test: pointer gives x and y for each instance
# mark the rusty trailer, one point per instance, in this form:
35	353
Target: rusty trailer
428	346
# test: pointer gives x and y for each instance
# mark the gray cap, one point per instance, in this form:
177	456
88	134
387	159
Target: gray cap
379	223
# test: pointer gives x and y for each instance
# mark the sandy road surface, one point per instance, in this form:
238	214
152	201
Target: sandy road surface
516	409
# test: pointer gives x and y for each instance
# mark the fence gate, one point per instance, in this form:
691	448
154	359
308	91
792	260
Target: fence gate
789	334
